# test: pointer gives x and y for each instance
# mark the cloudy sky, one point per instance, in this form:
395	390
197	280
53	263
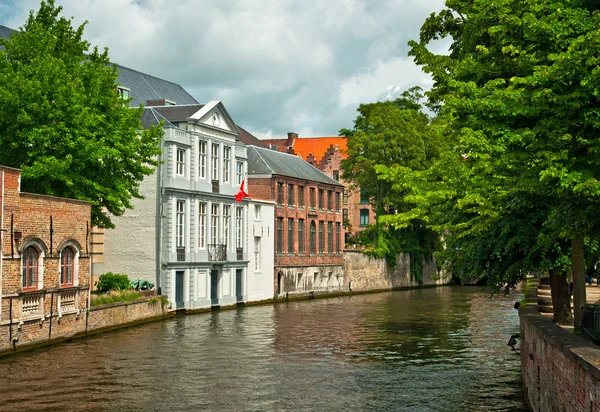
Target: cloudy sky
277	65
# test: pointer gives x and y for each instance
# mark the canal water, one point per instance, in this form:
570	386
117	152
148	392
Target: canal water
440	349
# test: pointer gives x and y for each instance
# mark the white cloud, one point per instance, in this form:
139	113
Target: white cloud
277	65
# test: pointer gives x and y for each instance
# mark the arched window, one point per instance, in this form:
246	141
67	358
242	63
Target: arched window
313	237
67	266
30	268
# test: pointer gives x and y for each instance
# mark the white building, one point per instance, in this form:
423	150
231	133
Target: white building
189	235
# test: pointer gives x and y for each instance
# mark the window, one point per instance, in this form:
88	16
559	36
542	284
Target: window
290	235
202	225
329	237
123	92
238	227
239	172
214	223
313	238
214	159
364	217
226	219
313	202
279	193
202	159
256	253
338	239
290	195
336	175
321	194
279	235
329	200
338	206
226	163
301	236
67	266
180	224
301	196
300	284
180	162
257	212
321	236
30	268
345	200
345	217
364	197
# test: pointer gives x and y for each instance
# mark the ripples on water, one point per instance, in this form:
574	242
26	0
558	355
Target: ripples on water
438	349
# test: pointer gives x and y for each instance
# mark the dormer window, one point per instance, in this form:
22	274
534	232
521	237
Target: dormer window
123	92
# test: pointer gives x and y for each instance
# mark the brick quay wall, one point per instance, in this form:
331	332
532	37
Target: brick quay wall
22	334
559	369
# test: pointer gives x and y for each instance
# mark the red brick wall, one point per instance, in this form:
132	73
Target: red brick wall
30	216
559	369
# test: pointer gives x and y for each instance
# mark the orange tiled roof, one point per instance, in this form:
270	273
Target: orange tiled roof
305	146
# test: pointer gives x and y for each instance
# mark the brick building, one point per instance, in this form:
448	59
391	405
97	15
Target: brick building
308	220
44	263
327	153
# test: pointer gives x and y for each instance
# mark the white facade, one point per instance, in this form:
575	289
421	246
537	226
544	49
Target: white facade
190	236
261	242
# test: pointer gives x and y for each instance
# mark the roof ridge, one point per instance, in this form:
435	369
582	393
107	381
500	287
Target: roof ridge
262	158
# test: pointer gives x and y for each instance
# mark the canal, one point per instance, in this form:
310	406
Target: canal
440	349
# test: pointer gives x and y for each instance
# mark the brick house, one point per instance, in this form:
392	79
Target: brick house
44	263
308	220
327	153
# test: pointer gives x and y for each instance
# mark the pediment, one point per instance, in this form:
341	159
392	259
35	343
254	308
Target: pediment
215	116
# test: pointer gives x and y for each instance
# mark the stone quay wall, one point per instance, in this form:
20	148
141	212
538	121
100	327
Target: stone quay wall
559	369
364	273
53	327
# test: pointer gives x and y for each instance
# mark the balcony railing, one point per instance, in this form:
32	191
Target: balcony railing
215	186
239	253
217	253
68	301
180	254
31	305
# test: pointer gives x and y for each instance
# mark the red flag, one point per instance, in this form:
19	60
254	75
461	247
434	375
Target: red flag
241	194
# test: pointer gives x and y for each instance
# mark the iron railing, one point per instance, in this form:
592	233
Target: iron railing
217	253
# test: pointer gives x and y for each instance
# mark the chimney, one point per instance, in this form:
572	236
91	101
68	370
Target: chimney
156	102
291	139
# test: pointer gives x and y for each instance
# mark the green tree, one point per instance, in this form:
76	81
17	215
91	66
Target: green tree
393	135
62	121
519	90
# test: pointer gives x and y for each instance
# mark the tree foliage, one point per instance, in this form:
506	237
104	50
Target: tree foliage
519	92
388	138
62	121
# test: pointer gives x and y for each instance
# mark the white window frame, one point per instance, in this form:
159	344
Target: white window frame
239	220
226	163
180	223
202	159
226	224
239	172
214	161
202	225
214	223
180	162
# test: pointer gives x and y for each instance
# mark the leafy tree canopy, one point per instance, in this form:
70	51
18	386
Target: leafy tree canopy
62	121
519	91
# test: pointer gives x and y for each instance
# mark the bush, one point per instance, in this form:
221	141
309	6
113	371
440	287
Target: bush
112	281
114	297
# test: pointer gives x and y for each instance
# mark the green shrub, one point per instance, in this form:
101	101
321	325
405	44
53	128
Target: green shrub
114	297
112	281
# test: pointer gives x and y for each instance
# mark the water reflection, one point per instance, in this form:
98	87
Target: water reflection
433	349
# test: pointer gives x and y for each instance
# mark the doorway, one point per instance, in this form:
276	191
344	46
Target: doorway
238	285
214	287
179	288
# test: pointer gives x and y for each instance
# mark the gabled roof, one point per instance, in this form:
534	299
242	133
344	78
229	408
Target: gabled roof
263	161
150	117
178	113
249	139
142	86
306	146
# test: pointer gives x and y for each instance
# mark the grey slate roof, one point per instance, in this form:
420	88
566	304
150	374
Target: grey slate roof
150	117
178	113
263	161
142	86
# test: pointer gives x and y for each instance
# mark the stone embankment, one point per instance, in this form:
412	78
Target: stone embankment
560	370
21	334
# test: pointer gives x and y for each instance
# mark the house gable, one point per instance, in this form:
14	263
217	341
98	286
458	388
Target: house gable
214	116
